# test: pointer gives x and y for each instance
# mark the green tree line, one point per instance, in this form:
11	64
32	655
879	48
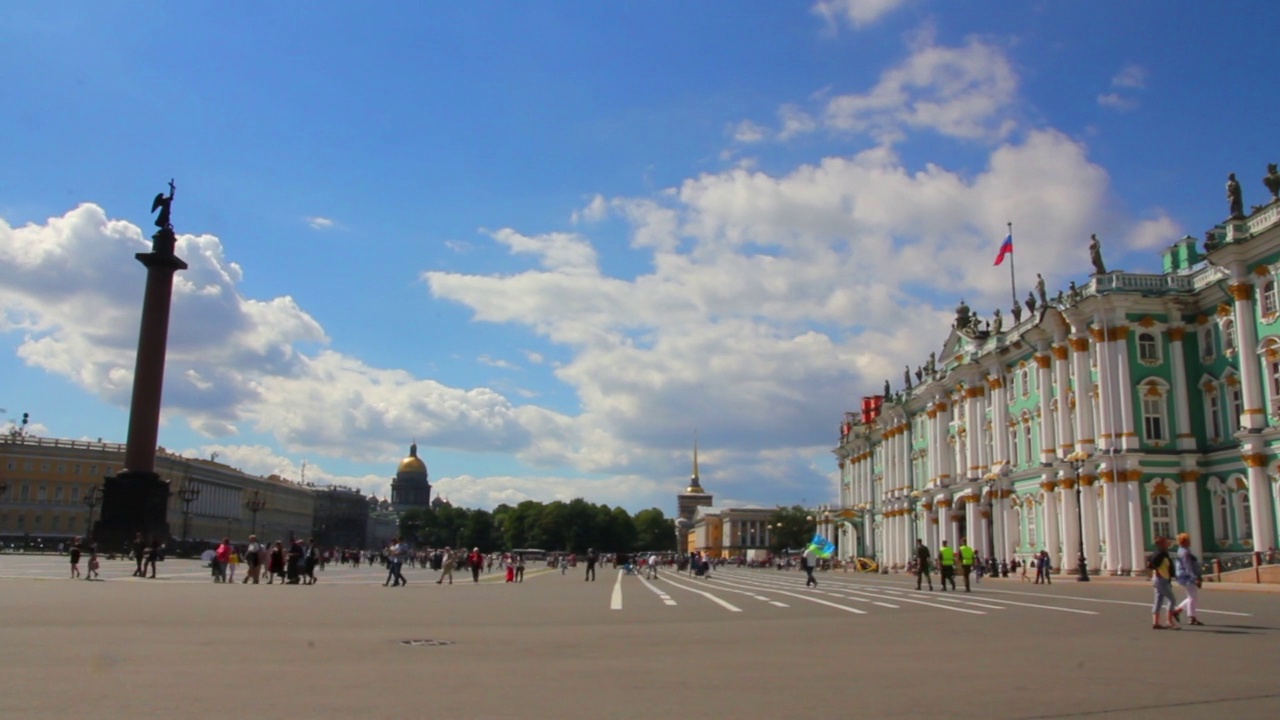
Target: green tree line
558	526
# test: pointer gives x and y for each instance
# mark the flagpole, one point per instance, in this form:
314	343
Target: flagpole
1013	284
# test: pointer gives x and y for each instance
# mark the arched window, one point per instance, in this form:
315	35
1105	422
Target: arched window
1029	450
1148	349
1268	305
1228	336
1246	515
1222	517
1155	426
1212	412
1032	511
1161	517
1025	381
1206	343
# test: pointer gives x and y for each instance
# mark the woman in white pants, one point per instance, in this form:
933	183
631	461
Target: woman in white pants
1188	576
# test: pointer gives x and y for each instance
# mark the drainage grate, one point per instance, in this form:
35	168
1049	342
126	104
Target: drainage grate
426	643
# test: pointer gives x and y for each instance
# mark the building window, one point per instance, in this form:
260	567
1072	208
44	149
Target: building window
75	494
1025	381
1153	419
1206	343
1029	450
1222	518
1228	337
1268	303
25	495
1237	404
1246	515
57	493
1032	539
1148	349
55	522
1161	517
1212	413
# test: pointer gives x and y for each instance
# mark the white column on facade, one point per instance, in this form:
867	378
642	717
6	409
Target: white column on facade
980	440
1044	381
1137	537
972	420
1062	371
1107	435
946	473
999	418
1010	531
1261	512
1186	440
1085	440
1052	523
944	521
1250	372
1111	527
1190	505
971	518
1128	433
1070	524
1091	545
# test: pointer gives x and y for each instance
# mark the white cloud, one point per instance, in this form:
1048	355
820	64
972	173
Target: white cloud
858	13
318	222
963	92
1131	76
565	252
1154	233
747	132
1116	101
794	122
534	357
595	211
497	362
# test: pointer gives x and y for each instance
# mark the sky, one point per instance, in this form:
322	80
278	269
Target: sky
553	243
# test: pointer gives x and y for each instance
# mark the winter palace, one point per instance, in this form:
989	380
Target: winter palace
1132	407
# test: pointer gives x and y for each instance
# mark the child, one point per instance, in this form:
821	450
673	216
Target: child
93	562
232	563
75	558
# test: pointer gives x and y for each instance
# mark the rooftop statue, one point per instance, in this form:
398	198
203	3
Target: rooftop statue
1272	181
1095	255
1234	198
1044	300
1031	303
1016	311
906	377
997	322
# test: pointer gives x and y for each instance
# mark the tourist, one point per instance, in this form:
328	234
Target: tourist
93	561
275	564
1161	566
519	567
233	561
447	562
1189	577
476	561
139	554
254	557
293	563
222	557
653	566
947	565
808	561
922	564
592	559
310	558
394	576
153	556
75	558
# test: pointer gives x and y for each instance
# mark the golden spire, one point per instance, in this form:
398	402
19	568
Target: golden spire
695	485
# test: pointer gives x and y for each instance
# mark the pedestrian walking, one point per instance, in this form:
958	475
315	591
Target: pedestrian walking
75	558
592	559
652	566
93	562
153	557
253	555
520	567
139	554
966	561
476	561
1189	577
275	564
808	561
1161	566
447	562
233	562
947	565
922	564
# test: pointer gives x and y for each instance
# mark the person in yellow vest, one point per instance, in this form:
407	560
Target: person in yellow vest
966	562
947	564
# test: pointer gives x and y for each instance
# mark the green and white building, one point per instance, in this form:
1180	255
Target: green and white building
1133	407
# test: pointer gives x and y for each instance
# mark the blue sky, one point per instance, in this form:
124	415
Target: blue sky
550	241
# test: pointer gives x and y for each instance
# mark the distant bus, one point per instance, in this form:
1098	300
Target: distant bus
530	554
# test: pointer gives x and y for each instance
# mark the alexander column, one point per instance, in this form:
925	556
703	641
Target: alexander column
136	500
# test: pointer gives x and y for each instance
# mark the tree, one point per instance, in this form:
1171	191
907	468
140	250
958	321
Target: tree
791	528
654	531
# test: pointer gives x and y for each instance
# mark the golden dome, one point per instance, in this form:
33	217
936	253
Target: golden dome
412	464
695	490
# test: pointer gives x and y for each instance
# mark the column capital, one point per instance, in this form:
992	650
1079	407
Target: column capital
1176	334
1241	291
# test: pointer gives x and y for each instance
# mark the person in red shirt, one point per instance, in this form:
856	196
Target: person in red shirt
221	557
476	561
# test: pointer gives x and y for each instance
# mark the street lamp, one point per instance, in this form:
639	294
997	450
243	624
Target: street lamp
187	494
255	505
93	500
1077	461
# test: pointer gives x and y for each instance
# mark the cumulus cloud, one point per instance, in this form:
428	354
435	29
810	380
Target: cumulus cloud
747	132
1131	76
318	222
858	13
1130	79
595	211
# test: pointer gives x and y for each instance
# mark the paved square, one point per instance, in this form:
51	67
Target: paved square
745	643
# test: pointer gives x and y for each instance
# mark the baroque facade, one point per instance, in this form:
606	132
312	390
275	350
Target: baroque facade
1135	406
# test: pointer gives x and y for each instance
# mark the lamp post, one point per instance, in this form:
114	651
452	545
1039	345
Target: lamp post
93	499
255	505
1077	461
187	494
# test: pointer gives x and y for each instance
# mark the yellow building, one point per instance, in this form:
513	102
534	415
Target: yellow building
731	532
51	487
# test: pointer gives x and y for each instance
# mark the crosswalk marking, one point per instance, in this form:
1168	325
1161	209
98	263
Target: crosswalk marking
665	597
726	605
811	599
774	583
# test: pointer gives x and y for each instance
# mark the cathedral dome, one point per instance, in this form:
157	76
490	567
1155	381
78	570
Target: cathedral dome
413	463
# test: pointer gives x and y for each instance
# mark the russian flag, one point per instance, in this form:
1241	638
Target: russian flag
1006	247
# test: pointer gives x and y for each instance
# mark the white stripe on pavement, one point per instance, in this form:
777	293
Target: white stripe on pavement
727	606
615	603
665	597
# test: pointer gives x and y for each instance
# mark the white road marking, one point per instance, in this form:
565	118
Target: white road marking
615	603
727	606
916	602
665	597
808	598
